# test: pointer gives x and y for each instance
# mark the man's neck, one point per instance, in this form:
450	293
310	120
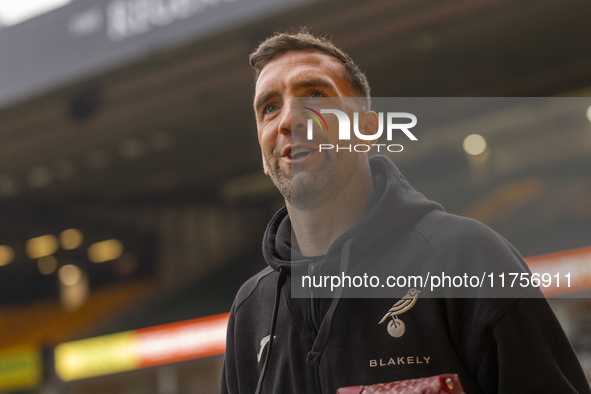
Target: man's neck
317	229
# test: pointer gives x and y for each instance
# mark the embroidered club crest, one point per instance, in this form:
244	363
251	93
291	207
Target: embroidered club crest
396	327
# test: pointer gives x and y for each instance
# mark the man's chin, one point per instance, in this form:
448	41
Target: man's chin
307	192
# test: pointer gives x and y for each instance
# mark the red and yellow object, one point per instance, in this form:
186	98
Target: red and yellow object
130	350
573	267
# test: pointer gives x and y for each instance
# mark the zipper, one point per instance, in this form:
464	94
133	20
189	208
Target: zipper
320	380
316	326
319	387
311	269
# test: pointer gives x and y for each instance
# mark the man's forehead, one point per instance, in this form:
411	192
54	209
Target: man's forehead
307	56
280	67
302	57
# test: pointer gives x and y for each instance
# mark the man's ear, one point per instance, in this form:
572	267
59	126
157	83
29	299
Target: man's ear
369	123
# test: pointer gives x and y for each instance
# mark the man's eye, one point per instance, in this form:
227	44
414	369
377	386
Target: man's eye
316	94
270	108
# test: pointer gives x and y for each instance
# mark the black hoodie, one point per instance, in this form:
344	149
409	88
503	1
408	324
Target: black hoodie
495	345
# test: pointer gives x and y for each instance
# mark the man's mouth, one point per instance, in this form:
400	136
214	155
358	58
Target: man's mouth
298	153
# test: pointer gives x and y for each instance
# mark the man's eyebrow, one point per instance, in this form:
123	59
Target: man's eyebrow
313	83
304	84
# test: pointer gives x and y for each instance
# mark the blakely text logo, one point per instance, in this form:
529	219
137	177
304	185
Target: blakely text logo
394	122
404	360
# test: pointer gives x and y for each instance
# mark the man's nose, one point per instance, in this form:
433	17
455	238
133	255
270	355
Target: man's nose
285	122
291	121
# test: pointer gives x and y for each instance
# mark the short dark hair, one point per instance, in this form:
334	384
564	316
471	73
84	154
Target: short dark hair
281	43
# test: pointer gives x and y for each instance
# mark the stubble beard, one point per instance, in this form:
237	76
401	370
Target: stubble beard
280	180
307	191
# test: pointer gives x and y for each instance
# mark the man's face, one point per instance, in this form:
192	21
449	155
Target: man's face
304	176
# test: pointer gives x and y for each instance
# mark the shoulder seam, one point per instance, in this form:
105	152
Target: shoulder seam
492	324
424	237
254	287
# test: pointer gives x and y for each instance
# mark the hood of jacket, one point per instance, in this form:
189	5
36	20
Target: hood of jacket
394	205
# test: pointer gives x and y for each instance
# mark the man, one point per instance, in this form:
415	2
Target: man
345	212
